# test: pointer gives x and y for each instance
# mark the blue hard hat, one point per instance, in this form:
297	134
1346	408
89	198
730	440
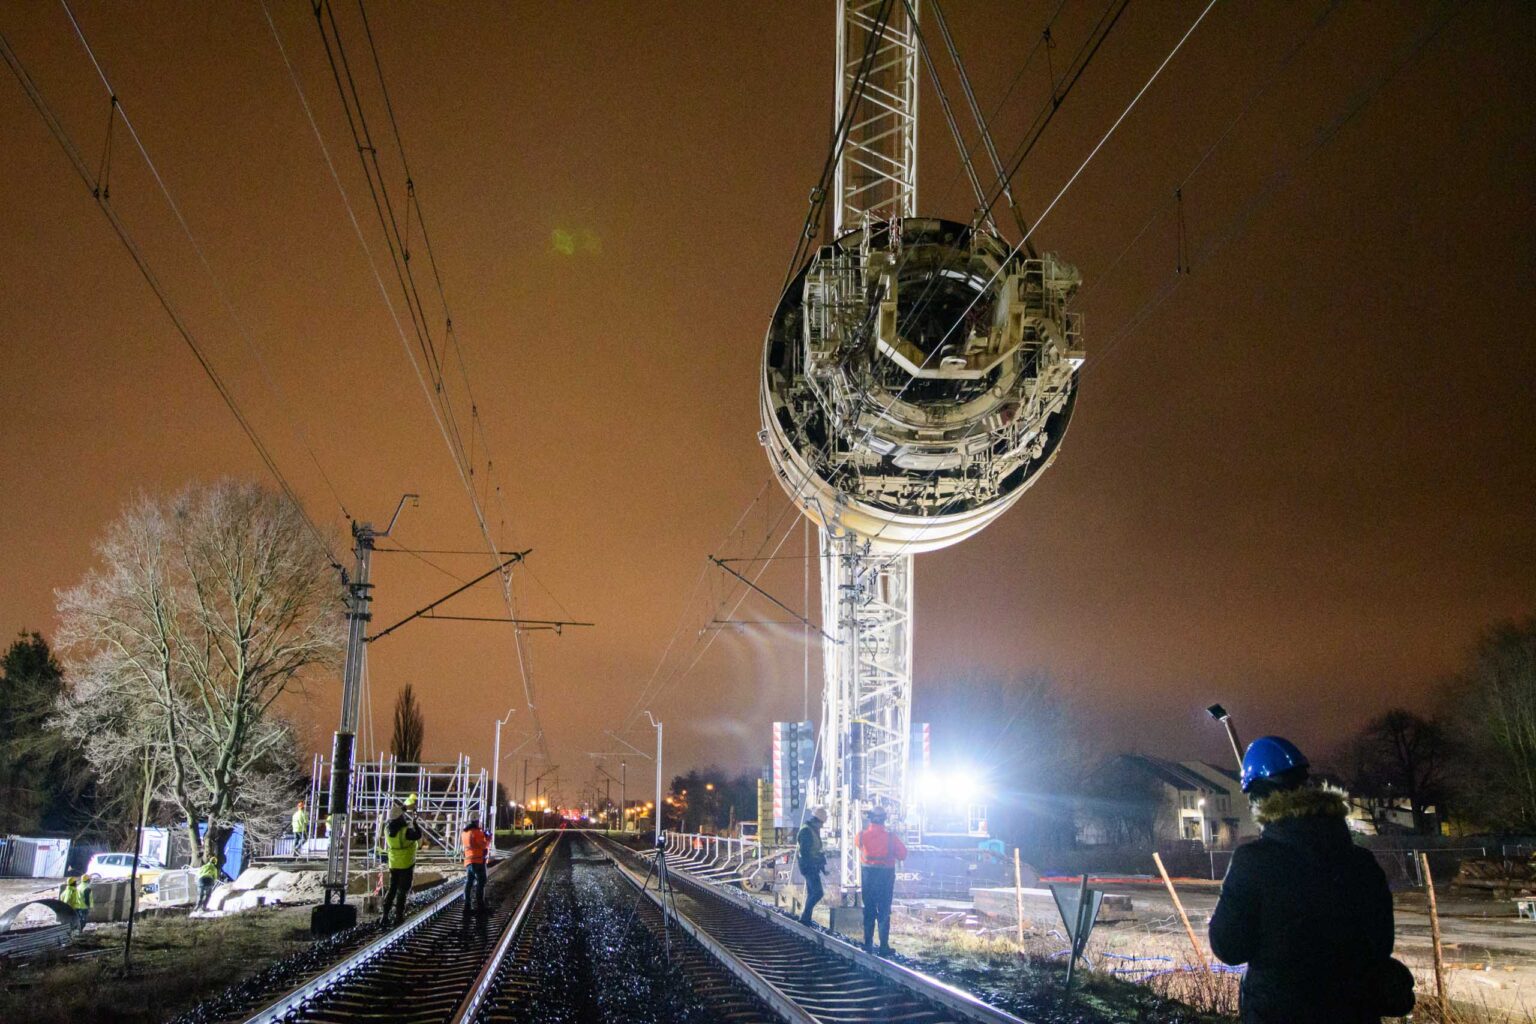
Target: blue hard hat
1269	756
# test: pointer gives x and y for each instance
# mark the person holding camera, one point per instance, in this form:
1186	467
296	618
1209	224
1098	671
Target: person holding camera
1306	909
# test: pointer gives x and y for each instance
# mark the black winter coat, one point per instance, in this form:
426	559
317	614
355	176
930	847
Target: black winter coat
809	852
1308	912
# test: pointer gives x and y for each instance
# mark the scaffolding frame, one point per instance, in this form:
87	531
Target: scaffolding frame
449	795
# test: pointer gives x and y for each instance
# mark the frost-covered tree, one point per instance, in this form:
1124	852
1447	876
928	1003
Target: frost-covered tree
203	611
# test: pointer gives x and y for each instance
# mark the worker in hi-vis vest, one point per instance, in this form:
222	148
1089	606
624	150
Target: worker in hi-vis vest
477	848
879	853
299	826
401	838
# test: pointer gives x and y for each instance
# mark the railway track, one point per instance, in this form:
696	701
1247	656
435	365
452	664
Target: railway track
426	969
806	975
574	936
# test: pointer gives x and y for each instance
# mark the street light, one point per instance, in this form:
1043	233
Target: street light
1219	713
496	774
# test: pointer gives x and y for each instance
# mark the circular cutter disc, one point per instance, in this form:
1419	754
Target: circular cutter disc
916	379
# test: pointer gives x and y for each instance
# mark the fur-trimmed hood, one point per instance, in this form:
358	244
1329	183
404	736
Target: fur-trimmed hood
1303	802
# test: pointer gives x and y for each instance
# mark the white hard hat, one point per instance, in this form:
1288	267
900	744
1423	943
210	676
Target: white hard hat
820	814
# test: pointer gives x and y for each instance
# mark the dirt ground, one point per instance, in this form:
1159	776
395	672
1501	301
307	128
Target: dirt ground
176	962
1490	953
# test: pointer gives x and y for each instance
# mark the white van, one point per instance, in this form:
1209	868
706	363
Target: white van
120	865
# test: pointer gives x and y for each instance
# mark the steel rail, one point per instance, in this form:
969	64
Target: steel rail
485	983
332	976
764	989
915	983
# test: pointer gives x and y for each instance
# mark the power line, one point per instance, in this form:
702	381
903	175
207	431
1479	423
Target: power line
437	397
103	203
658	684
1253	97
1275	181
242	328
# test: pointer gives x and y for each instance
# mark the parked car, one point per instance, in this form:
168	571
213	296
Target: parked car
120	865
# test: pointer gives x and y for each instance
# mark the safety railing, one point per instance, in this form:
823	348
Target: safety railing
723	859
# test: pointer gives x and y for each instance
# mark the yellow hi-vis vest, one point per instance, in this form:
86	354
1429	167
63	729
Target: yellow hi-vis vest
209	870
300	821
401	850
74	898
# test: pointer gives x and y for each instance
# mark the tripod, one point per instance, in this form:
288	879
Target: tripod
658	868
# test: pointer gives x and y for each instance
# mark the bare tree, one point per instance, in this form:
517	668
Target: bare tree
1493	708
1399	756
410	727
204	610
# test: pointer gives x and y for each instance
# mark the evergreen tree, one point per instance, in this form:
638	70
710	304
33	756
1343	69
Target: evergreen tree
42	774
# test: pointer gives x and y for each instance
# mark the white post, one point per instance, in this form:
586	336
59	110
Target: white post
496	775
658	773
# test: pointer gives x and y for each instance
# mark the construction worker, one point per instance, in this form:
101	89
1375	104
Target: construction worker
477	846
73	898
207	878
811	859
85	893
401	839
1305	908
879	853
299	825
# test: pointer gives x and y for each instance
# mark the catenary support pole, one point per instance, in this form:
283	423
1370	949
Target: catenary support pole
133	876
334	914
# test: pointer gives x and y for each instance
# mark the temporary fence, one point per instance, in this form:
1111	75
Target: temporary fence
24	857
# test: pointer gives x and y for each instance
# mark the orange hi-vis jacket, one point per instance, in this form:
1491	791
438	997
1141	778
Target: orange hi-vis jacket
476	845
878	848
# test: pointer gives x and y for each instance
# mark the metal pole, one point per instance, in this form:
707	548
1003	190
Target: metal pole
623	797
342	749
133	876
359	596
658	773
496	777
1078	943
496	784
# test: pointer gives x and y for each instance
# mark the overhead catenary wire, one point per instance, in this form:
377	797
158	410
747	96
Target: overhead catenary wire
654	687
456	450
241	325
960	319
125	237
1074	73
404	269
1257	93
1106	24
1238	223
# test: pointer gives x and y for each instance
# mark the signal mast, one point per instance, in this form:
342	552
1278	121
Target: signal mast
918	376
